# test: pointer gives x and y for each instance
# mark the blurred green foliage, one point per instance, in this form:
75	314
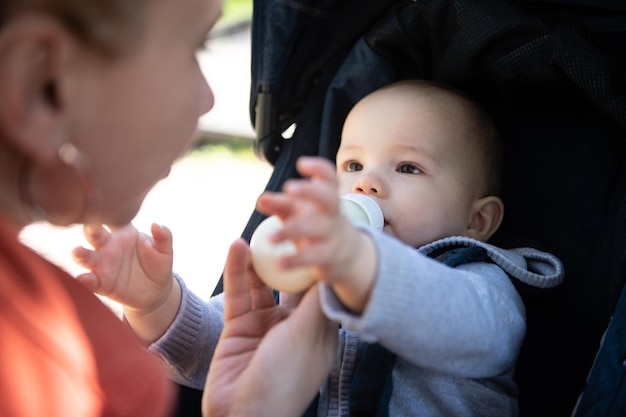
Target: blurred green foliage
235	11
227	147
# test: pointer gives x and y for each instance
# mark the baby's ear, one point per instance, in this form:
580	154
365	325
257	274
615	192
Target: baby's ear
486	217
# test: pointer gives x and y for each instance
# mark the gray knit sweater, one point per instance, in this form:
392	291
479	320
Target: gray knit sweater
456	332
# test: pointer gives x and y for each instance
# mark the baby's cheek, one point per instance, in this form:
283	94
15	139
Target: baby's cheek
419	235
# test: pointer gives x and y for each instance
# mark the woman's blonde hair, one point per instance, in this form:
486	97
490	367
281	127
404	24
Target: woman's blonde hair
108	25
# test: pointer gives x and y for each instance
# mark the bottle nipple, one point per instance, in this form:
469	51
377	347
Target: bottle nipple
358	208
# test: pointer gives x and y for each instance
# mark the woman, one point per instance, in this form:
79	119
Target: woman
98	98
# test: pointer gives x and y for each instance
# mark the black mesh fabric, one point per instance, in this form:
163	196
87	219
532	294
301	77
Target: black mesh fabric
558	92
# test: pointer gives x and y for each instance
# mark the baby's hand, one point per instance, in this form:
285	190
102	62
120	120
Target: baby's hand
127	266
310	209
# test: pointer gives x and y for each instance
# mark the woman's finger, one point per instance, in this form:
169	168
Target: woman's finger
236	284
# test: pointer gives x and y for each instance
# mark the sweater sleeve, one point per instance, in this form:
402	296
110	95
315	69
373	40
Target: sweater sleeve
188	345
467	321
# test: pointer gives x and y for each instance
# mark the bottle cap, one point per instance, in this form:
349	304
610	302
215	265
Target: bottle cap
361	208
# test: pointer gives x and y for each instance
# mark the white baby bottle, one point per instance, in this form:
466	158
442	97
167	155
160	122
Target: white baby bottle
359	208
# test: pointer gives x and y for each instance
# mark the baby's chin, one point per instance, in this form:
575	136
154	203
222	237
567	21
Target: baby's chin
413	241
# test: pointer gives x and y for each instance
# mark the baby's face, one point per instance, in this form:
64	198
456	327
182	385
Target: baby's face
138	113
414	160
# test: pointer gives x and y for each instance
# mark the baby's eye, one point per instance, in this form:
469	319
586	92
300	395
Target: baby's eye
353	166
409	169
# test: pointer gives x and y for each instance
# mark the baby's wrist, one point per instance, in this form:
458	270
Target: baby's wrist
355	287
151	324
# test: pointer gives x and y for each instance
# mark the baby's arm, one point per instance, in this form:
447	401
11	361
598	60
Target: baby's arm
338	252
466	321
134	269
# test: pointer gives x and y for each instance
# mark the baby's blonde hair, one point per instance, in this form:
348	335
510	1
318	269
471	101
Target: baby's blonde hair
482	132
111	26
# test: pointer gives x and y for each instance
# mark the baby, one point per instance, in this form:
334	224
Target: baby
431	323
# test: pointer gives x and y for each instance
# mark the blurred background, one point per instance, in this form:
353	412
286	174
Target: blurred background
208	197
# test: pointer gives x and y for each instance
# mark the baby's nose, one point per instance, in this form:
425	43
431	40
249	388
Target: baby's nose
365	189
368	183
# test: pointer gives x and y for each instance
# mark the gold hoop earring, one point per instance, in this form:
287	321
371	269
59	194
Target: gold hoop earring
72	159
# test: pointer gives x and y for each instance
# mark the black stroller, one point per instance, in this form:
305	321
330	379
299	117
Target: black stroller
553	75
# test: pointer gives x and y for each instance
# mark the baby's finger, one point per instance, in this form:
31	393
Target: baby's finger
318	256
96	235
317	167
308	227
89	280
84	257
323	195
162	237
271	203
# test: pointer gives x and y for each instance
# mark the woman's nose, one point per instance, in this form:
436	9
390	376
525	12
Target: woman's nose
207	98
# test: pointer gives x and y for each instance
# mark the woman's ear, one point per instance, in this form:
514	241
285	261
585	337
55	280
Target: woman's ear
32	50
487	216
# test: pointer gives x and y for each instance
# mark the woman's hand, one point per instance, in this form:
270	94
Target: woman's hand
270	360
